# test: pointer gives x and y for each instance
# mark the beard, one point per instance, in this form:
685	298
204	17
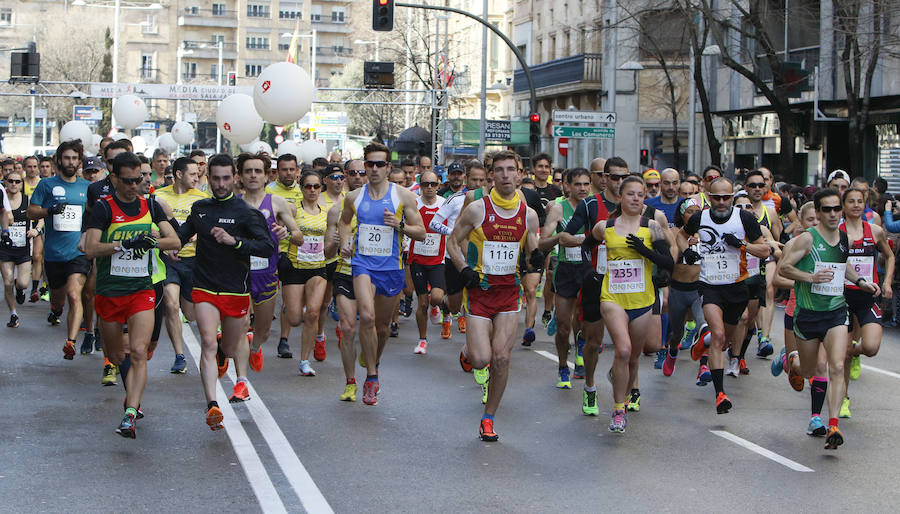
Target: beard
68	171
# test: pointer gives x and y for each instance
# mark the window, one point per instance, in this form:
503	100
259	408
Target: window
316	13
190	71
289	15
216	38
213	71
147	66
150	25
252	70
257	43
257	11
193	10
218	9
283	47
337	15
5	16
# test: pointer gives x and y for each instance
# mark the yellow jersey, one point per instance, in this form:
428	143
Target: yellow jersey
181	206
311	254
629	276
293	195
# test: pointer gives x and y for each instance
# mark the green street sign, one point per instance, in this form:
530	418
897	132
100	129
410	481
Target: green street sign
585	132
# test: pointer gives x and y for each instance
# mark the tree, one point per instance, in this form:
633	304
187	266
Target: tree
106	76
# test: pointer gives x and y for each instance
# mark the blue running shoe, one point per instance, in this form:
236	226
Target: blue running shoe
529	337
579	357
688	336
660	358
816	427
563	381
551	326
704	376
765	348
179	367
332	309
777	367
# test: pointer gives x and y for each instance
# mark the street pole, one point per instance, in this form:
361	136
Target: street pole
484	46
32	119
312	61
692	121
611	66
178	55
221	46
115	63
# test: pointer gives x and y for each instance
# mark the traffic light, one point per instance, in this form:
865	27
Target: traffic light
232	78
645	157
658	144
383	15
25	66
535	130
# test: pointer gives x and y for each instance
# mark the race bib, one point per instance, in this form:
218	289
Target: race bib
752	265
721	268
375	240
601	259
499	257
68	220
835	286
17	234
312	249
626	276
861	264
429	247
258	263
125	264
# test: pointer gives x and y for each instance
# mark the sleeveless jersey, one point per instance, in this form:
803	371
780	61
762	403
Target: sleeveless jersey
721	263
495	244
377	247
181	207
345	265
429	252
123	273
293	195
764	219
827	296
311	254
18	229
261	265
329	203
629	280
27	189
862	255
568	254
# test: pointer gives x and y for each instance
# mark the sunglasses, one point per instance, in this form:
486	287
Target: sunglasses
131	181
354	173
615	177
336	177
13	181
721	198
312	187
377	164
429	184
710	179
746	206
832	208
756	185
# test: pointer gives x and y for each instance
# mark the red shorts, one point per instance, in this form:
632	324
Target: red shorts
495	300
230	305
117	309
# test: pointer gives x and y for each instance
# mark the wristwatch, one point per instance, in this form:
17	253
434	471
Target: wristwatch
858	280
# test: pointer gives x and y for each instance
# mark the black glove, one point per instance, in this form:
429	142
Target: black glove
537	259
56	208
732	240
140	244
6	240
470	279
637	244
690	256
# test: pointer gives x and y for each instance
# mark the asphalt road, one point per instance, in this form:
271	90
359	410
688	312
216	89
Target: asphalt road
295	447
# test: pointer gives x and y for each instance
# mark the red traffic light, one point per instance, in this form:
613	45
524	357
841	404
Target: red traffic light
383	2
535	118
645	152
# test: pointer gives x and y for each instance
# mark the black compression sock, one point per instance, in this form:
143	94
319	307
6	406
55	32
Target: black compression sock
717	375
673	350
746	342
212	404
125	367
34	285
704	360
817	391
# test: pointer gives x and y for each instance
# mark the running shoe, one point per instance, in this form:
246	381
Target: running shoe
723	404
126	427
845	408
764	348
816	427
618	421
421	348
552	326
563	380
109	375
179	367
794	378
445	329
699	344
660	358
435	315
13	321
742	367
546	318
140	412
669	365
284	349
349	394
633	402
463	363
833	438
481	375
256	359
98	345
20	296
362	358
53	318
214	418
221	360
305	369
589	404
69	350
778	364
690	328
855	364
370	392
528	337
484	393
461	324
240	393
332	309
406	306
704	376
34	297
320	353
87	345
395	329
579	358
486	430
732	368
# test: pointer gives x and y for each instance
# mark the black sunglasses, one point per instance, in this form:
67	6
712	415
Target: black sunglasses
430	184
354	173
720	198
832	208
377	164
756	185
131	181
13	181
615	177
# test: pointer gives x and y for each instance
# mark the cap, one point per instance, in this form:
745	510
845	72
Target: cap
651	174
93	163
454	167
333	168
838	174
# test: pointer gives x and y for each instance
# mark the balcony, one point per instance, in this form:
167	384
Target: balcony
194	17
582	72
334	25
209	50
333	54
149	75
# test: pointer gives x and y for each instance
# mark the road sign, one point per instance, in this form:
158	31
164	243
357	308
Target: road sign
563	146
87	113
585	132
279	139
563	116
497	130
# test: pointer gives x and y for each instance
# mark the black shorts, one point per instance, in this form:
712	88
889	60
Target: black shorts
424	275
591	288
58	272
788	322
810	325
657	302
343	285
16	255
293	276
756	287
181	273
862	306
451	278
731	298
330	270
159	311
567	279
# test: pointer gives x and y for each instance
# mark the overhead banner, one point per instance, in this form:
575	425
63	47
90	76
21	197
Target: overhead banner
167	91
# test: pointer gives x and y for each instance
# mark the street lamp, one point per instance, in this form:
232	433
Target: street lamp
312	57
375	42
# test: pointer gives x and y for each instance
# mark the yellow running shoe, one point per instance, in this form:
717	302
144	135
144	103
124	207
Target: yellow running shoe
845	408
109	375
349	393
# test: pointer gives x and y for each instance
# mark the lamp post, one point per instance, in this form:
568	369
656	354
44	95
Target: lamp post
312	57
375	42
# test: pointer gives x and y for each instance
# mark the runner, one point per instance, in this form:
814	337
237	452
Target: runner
426	262
495	230
385	212
228	232
816	261
63	197
767	215
332	193
15	250
120	235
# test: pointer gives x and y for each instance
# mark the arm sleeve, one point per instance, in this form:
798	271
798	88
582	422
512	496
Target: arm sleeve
693	224
889	223
578	220
534	201
258	241
438	226
752	231
661	255
99	217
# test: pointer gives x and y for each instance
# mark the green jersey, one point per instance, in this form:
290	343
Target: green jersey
124	272
826	296
568	254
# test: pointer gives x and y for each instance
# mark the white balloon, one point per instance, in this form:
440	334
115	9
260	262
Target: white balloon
138	143
248	147
129	111
167	143
283	93
76	129
92	146
183	133
237	119
119	135
310	149
289	147
262	147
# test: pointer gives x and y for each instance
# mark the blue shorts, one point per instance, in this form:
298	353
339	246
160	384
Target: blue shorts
387	282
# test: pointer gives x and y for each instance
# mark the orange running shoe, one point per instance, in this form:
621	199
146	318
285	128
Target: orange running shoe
69	349
445	329
319	351
214	418
794	378
256	359
464	363
723	404
461	324
699	347
221	361
486	430
240	393
833	438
